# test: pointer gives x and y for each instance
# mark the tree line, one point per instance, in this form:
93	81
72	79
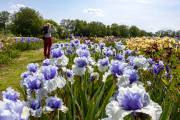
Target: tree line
29	22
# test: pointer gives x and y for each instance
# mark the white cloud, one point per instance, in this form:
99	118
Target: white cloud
151	15
15	7
143	1
94	12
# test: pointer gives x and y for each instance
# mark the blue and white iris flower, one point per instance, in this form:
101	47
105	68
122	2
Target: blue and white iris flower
129	76
32	67
132	99
54	103
117	67
103	64
11	108
35	108
80	65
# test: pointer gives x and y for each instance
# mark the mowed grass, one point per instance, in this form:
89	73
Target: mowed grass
10	73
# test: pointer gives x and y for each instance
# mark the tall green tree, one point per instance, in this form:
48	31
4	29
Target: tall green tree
115	29
4	19
123	31
134	31
27	22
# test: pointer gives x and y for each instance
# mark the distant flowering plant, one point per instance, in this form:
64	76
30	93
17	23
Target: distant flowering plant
139	62
120	57
128	77
83	53
26	39
69	74
108	52
158	67
119	46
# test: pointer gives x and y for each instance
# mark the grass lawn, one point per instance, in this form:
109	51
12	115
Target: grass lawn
10	73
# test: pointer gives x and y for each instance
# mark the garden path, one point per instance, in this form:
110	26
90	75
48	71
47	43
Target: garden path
10	73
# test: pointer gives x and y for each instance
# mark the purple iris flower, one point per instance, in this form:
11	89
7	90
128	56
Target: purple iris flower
151	61
167	69
54	102
128	52
28	40
83	47
46	62
117	68
32	67
108	52
69	73
55	46
88	42
69	51
101	45
33	83
157	68
25	74
83	53
49	72
119	57
17	39
133	76
81	62
56	53
10	94
35	104
94	76
168	72
133	101
12	111
72	44
61	45
22	39
76	43
66	44
104	62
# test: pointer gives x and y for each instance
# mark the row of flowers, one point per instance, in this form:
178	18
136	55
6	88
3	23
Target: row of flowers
8	41
89	70
26	39
149	44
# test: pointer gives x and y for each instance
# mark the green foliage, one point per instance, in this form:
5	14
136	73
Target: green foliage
13	51
4	19
7	55
134	31
26	22
98	29
28	46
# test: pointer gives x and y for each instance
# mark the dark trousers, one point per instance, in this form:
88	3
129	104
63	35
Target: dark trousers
47	47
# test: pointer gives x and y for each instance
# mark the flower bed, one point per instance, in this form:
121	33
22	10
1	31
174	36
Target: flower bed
92	81
11	47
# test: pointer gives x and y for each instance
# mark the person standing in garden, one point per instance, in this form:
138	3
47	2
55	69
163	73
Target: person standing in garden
47	31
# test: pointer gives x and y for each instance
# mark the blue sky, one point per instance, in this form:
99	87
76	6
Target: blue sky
151	15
